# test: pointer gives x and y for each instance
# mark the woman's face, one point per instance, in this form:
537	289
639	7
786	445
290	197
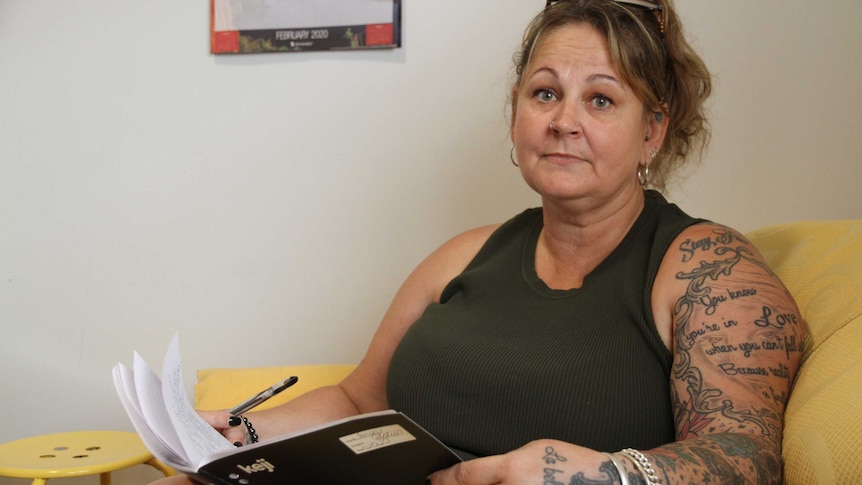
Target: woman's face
578	129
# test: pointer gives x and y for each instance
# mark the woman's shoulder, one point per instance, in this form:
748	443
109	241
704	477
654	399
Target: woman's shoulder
709	267
466	245
452	257
705	242
709	238
457	252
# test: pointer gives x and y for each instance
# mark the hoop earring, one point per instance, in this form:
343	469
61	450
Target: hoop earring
512	156
643	174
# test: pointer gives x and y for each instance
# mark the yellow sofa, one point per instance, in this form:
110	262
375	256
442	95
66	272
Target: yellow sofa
224	388
821	264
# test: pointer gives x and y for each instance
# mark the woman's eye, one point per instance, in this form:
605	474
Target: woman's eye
601	102
545	95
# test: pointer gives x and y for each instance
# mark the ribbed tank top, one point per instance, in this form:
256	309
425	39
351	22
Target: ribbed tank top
503	359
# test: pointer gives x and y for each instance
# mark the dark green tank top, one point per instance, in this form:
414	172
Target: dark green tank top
503	359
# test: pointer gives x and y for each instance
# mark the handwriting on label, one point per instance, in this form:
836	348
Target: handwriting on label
376	438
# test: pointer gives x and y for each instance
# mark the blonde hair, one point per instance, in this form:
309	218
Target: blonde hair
662	69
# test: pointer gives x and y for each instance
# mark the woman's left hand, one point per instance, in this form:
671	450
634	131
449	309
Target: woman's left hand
549	462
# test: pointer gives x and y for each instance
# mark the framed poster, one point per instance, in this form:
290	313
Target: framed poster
252	26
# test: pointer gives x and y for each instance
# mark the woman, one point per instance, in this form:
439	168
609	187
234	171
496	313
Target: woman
606	337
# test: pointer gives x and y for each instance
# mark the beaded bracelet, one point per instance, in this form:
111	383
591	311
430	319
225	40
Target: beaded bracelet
643	464
252	434
621	469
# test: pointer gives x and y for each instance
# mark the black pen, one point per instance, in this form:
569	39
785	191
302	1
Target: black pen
262	396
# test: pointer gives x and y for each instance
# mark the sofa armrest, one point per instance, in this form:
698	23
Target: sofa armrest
821	265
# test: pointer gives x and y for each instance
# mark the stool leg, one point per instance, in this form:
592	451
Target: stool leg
168	471
105	478
39	481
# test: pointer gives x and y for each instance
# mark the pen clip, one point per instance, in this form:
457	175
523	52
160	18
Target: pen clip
262	396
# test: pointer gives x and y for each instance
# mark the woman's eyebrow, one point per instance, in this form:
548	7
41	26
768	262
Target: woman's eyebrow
545	69
603	77
592	78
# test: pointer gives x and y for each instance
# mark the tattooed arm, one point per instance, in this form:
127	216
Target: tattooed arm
737	341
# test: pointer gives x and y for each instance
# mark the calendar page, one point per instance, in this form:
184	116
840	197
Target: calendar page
251	26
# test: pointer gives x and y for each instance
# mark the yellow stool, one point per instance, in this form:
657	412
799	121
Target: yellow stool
64	455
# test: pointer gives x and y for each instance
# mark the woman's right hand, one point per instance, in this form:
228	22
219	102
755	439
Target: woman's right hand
230	426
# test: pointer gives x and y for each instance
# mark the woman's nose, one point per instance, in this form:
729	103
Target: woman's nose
566	120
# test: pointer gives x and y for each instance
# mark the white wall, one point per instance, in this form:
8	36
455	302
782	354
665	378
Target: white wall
268	206
787	142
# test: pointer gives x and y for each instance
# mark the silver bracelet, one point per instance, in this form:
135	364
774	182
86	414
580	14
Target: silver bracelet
621	469
643	465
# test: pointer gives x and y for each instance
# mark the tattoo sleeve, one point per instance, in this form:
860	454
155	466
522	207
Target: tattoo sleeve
737	344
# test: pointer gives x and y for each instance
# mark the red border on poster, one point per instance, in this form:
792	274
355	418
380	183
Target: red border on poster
225	42
378	34
221	42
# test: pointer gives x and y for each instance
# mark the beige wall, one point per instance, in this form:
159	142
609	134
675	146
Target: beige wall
267	207
787	144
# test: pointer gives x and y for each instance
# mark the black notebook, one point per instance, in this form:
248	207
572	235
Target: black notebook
371	449
383	448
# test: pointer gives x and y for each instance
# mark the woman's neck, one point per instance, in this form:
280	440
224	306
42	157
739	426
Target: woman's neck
576	238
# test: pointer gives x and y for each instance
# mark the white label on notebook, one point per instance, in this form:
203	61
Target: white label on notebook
375	438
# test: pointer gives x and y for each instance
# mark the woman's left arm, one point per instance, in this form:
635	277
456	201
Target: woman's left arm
737	341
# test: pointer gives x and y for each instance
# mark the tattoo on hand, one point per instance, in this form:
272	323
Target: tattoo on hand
607	472
551	457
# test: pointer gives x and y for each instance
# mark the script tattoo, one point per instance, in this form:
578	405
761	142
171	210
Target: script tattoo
607	472
696	414
759	337
550	473
722	237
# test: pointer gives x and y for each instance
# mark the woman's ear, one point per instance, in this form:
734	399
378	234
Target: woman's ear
657	123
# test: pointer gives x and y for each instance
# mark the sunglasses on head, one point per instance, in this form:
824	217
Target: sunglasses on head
653	7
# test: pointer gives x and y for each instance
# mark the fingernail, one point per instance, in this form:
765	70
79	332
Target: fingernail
237	444
234	421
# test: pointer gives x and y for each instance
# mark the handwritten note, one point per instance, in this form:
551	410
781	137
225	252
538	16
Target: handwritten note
198	438
376	438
